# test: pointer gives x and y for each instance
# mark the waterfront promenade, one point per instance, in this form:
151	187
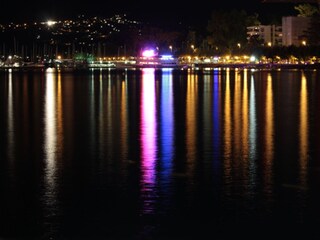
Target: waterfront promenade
117	65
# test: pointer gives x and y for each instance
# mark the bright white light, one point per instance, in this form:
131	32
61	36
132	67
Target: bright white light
51	23
166	57
148	53
215	59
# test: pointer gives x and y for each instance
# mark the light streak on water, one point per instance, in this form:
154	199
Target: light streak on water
148	141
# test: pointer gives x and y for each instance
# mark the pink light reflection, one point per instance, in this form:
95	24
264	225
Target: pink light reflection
148	125
148	140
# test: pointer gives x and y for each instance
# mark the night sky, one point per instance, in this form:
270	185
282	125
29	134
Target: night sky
197	11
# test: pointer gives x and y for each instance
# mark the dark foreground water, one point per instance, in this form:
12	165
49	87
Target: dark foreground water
165	154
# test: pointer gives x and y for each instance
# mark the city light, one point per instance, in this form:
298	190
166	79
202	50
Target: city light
51	23
148	53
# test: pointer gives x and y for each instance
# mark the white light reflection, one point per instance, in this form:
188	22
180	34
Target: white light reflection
50	142
148	140
252	135
10	116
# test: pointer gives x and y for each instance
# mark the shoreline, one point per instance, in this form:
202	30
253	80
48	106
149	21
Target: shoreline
180	66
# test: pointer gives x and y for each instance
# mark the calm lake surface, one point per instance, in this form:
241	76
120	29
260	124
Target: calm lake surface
159	154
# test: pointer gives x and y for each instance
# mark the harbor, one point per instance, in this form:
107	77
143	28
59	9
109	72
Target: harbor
167	61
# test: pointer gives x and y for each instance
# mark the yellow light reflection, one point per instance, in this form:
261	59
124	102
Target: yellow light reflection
245	116
109	111
269	139
236	119
269	122
252	121
59	115
227	126
303	130
191	106
124	120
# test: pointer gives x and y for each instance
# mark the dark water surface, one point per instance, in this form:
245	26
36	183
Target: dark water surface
160	154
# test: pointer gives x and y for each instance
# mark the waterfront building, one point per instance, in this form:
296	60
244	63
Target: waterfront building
294	30
269	35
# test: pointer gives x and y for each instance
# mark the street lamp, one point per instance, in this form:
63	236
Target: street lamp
193	48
